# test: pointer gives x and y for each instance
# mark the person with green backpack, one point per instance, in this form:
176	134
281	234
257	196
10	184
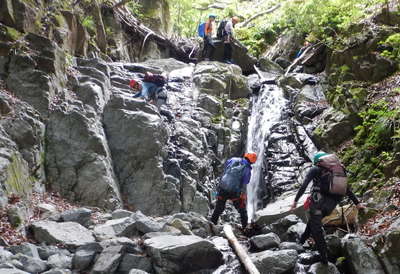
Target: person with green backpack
205	31
232	186
329	187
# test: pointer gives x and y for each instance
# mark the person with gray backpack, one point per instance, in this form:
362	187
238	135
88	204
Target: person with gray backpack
232	186
329	187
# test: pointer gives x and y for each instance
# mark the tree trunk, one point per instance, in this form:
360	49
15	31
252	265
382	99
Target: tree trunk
240	252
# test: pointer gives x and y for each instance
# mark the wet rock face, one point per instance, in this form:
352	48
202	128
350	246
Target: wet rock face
275	262
286	47
216	79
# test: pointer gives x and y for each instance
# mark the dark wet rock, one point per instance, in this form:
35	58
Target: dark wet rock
361	258
295	231
264	242
135	261
174	254
137	271
275	262
78	215
334	246
281	227
210	104
309	258
68	234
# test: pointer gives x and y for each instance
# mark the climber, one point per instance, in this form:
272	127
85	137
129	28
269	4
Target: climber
303	48
150	87
209	47
323	200
232	186
228	39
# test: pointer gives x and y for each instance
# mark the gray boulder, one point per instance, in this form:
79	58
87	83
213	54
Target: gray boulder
295	231
26	249
270	66
84	256
216	79
287	45
78	160
320	268
12	271
266	241
32	265
121	213
291	245
68	233
361	258
390	253
275	262
334	128
108	261
137	159
129	245
137	271
78	215
167	65
59	261
177	254
58	271
209	103
135	261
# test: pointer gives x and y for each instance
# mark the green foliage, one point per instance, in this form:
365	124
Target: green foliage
18	182
89	23
136	9
374	147
392	42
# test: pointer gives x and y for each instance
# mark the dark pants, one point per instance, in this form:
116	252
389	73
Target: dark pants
239	204
209	47
319	208
227	52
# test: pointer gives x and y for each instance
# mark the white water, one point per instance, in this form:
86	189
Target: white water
266	111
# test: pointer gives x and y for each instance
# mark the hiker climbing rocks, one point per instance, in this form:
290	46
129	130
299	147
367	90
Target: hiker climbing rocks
329	187
232	186
303	48
150	87
228	38
205	31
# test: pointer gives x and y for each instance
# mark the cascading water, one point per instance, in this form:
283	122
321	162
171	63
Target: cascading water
266	110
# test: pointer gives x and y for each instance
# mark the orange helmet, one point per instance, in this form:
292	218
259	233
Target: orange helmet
251	156
235	19
134	84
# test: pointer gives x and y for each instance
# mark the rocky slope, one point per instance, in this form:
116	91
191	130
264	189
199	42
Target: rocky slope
69	124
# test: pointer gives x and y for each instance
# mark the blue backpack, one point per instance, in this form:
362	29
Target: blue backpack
201	30
231	181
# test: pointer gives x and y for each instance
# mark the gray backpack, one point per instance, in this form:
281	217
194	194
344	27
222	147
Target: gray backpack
338	177
231	181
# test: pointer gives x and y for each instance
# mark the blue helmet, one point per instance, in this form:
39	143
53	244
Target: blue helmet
212	15
318	156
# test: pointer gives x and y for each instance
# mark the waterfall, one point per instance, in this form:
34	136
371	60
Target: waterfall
266	110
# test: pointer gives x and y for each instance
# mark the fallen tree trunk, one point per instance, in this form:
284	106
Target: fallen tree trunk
240	252
135	28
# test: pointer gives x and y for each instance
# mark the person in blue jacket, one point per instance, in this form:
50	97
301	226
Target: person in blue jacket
150	86
236	195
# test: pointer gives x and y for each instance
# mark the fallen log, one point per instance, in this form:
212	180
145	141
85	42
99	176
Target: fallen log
134	28
240	252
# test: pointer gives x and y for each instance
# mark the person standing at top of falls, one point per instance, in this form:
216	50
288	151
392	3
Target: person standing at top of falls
209	47
228	38
329	187
232	186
